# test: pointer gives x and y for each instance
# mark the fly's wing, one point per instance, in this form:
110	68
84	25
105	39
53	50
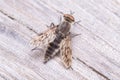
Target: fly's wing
66	52
45	37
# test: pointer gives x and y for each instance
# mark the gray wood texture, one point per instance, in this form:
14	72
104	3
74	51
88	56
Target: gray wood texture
96	51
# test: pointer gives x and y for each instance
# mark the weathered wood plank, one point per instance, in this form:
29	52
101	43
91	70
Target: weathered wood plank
95	51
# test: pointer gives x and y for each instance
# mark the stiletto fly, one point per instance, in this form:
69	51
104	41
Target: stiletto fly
57	40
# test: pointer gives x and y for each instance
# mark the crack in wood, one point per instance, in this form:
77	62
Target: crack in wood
32	30
93	69
18	22
7	15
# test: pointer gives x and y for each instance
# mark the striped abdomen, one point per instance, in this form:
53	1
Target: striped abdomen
53	47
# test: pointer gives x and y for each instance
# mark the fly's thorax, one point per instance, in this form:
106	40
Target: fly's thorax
64	28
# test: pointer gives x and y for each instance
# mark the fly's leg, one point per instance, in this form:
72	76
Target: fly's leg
74	35
60	19
51	25
36	48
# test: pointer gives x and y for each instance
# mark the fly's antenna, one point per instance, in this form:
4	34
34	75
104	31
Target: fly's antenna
60	12
71	12
60	18
77	22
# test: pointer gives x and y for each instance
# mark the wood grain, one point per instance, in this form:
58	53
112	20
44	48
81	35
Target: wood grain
96	51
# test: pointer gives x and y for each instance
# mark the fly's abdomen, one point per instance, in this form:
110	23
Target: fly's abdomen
53	47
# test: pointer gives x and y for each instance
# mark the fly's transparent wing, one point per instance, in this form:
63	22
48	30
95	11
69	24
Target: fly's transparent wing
66	52
45	37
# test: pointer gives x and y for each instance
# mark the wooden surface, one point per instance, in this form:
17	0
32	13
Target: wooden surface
96	51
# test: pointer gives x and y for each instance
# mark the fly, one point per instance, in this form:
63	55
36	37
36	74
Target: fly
58	41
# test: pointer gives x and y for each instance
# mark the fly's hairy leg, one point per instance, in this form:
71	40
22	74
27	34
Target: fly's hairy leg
51	25
72	35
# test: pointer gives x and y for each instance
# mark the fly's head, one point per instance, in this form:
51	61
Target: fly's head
69	18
